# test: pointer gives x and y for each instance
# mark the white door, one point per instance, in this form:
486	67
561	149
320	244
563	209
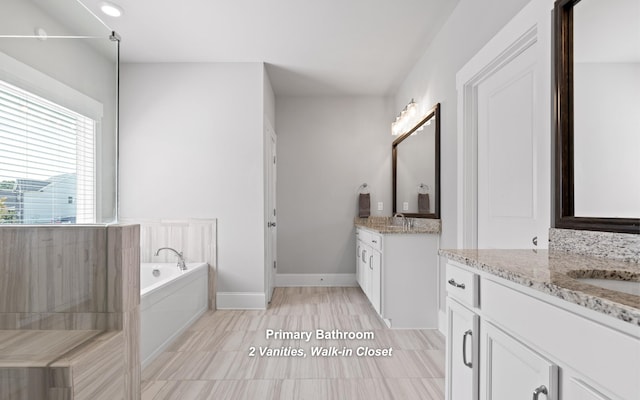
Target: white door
462	352
271	262
511	162
511	370
504	107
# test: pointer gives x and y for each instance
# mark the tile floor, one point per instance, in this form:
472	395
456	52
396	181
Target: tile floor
211	360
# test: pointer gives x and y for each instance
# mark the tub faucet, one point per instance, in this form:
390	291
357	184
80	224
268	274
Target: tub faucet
181	263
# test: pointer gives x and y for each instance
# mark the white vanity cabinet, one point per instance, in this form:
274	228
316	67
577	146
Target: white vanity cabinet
368	266
398	273
533	345
510	370
463	329
462	354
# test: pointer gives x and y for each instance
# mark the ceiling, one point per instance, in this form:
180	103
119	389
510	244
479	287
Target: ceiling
322	47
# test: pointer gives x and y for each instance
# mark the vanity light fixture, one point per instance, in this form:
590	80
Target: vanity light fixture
111	9
406	119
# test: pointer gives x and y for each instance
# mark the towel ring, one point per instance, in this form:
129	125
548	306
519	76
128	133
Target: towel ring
363	189
423	189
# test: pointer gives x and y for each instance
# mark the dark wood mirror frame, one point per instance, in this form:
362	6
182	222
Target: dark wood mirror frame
433	113
564	161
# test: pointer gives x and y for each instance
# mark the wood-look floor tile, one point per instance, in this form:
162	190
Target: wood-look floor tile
187	389
413	364
211	360
416	389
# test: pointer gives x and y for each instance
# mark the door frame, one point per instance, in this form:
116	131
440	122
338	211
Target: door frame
270	145
531	25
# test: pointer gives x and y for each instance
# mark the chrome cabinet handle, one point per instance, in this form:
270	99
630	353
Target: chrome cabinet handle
364	252
464	348
370	262
541	389
455	284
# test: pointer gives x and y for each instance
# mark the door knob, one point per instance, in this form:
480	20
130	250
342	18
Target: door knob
534	240
271	224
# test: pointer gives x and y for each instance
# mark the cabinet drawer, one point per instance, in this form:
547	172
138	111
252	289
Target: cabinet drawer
372	239
462	285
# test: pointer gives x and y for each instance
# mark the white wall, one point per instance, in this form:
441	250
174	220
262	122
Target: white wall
191	146
328	147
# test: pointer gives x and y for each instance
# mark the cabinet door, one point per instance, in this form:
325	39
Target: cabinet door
375	277
359	262
510	370
364	268
462	352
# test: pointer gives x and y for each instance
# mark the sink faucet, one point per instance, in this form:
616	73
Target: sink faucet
181	263
404	219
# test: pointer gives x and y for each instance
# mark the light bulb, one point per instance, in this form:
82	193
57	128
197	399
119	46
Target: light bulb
111	9
412	108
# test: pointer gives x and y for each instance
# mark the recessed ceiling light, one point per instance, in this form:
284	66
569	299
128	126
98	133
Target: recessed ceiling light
110	9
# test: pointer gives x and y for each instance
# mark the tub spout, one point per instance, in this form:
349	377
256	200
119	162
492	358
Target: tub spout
181	264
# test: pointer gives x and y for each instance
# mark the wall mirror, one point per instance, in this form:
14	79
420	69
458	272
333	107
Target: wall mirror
416	168
597	72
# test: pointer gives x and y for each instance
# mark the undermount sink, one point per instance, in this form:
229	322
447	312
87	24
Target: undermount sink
624	281
630	287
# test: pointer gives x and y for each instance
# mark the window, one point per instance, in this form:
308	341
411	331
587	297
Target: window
47	161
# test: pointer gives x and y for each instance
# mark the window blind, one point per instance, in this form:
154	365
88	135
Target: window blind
47	161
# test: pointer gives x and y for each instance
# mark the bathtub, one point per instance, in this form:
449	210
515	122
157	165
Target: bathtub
170	301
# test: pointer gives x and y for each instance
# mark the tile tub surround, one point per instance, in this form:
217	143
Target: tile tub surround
62	364
34	348
620	246
552	272
394	225
196	238
124	300
53	276
91	274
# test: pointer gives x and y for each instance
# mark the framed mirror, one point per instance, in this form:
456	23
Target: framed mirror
597	144
416	168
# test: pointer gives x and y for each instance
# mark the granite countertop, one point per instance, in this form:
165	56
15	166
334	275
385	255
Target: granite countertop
391	225
554	273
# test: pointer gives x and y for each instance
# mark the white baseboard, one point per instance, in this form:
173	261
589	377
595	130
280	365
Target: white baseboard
240	301
442	322
293	280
